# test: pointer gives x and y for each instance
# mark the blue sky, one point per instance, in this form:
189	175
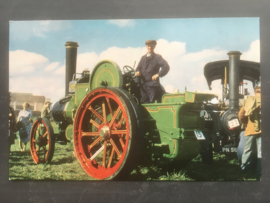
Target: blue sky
37	51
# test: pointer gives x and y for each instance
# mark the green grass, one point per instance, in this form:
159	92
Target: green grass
64	166
225	167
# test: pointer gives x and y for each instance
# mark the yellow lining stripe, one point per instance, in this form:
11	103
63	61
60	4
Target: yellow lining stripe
167	96
102	72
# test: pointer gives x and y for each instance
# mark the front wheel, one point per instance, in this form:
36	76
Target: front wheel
106	132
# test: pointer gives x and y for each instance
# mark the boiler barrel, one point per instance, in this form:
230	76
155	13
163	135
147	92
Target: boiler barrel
59	109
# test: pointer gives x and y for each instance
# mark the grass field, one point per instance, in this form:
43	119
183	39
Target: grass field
64	166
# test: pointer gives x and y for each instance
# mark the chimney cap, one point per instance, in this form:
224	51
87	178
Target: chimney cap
234	53
71	44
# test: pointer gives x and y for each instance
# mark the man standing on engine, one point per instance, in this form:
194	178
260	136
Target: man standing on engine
150	68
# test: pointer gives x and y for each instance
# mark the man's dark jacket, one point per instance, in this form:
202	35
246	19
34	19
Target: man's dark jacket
149	66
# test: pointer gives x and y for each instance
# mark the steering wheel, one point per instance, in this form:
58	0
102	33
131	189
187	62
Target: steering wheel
129	70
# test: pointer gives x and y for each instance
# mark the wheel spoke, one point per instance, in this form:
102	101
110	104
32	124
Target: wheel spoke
104	154
104	112
109	105
44	152
90	134
97	153
122	143
95	142
96	113
114	116
110	160
115	148
119	132
121	121
45	134
94	123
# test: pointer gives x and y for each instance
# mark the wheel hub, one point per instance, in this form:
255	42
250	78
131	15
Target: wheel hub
105	132
41	142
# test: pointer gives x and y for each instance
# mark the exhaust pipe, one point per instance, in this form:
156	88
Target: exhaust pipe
234	79
71	59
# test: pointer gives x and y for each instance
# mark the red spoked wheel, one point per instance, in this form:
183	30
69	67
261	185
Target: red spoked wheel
105	128
42	141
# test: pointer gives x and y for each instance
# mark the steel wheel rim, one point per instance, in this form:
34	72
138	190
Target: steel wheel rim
102	151
39	144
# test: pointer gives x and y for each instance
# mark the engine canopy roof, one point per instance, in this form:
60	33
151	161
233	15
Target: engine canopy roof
249	70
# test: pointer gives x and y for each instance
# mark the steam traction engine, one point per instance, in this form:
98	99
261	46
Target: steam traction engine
111	130
233	73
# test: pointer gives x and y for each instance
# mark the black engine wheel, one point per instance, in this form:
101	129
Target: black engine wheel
206	151
42	141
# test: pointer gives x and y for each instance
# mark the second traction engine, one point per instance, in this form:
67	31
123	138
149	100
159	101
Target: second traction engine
232	74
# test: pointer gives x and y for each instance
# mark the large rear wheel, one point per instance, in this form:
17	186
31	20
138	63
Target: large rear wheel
42	141
106	131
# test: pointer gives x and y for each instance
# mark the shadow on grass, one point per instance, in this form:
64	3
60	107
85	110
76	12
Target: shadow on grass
225	167
62	161
16	164
154	170
15	159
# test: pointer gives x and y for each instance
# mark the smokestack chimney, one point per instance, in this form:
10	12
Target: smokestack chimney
71	59
234	79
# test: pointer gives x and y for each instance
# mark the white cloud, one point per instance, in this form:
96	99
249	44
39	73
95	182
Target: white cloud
170	49
253	54
122	23
122	56
204	55
23	30
169	89
199	80
21	61
51	87
61	70
86	60
51	66
216	89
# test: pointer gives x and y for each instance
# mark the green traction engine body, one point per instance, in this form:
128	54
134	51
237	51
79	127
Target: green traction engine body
170	125
112	131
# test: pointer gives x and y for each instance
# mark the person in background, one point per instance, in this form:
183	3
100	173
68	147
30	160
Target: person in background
12	124
46	112
25	116
150	68
250	114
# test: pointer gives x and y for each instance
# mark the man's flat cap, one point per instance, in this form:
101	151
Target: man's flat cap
150	41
